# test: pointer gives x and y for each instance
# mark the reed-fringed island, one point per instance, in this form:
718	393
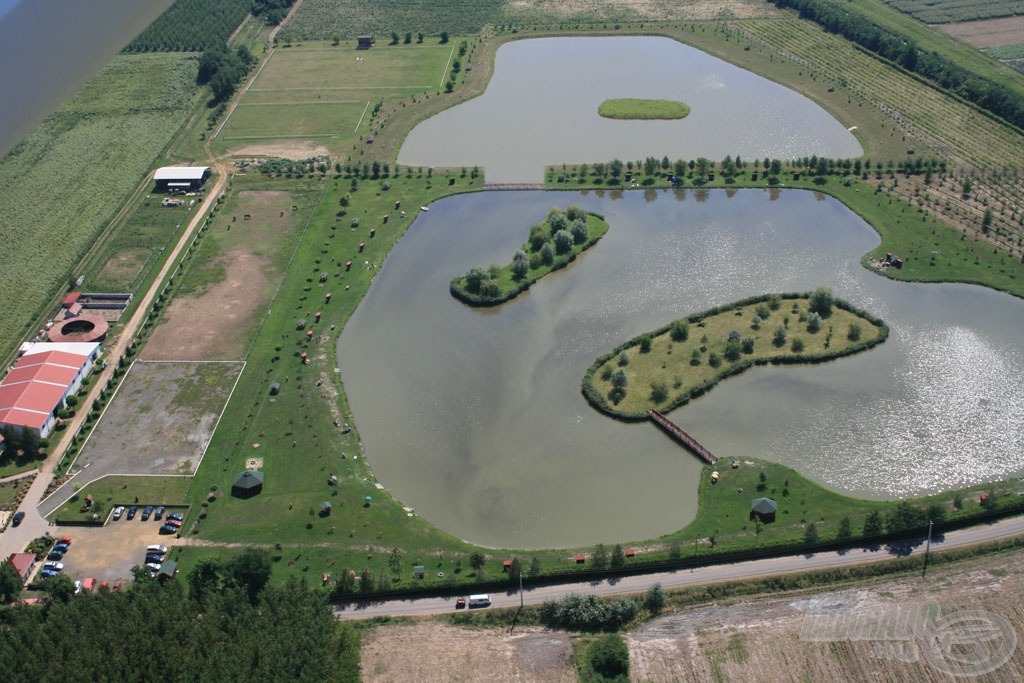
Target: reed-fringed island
552	244
671	366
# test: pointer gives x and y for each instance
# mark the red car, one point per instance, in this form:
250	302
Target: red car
460	603
176	523
66	540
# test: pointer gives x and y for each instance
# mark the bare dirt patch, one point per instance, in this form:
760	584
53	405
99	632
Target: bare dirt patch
125	266
206	327
160	420
988	32
761	639
298	150
429	652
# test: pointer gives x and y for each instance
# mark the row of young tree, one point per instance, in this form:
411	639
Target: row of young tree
844	19
192	26
227	631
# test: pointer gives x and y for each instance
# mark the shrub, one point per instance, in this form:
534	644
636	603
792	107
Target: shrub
680	331
797	345
854	332
608	657
563	242
588	612
821	302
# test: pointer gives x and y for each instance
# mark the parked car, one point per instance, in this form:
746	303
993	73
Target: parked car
153	566
162	549
55	555
460	603
61	548
64	540
152	557
16	519
78	587
172	522
177	516
46	573
131	511
168	529
159	512
118	511
146	512
54	565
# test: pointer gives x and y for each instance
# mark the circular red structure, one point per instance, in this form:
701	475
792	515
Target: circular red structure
84	328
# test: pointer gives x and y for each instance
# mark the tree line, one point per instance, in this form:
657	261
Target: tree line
843	19
233	628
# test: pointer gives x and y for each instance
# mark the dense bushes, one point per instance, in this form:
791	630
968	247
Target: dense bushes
588	613
552	244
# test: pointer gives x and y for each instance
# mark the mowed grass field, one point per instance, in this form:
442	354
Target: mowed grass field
327	93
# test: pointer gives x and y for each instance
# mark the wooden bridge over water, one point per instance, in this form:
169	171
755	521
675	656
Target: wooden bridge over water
677	433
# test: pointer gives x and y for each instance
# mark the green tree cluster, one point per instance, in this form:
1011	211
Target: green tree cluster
223	70
588	613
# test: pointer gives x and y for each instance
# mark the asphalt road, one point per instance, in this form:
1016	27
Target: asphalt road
692	577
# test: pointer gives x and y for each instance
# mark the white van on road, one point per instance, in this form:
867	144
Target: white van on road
482	600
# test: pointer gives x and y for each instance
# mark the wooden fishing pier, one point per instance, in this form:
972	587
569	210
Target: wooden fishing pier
677	433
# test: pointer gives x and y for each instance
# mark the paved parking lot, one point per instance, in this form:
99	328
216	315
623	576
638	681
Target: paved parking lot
108	553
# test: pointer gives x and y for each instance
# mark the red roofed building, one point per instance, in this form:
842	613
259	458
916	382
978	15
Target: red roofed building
40	382
23	562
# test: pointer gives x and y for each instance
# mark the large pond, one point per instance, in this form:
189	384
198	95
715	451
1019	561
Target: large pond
475	416
540	108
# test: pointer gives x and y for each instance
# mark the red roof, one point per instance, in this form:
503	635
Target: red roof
74	309
70	298
22	562
34	387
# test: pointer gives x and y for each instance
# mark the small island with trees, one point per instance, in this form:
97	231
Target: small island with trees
669	367
552	244
637	109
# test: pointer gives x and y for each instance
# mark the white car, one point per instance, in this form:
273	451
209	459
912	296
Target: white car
78	587
158	549
118	511
153	566
54	565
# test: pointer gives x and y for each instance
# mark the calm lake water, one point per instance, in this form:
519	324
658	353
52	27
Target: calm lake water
475	417
540	108
49	48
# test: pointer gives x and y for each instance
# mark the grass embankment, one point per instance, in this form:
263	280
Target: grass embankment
630	108
543	253
298	440
667	368
109	492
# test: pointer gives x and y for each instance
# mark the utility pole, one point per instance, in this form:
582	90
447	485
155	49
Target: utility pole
520	590
927	547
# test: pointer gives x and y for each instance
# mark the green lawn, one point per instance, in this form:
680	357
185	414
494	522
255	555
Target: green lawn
330	119
629	108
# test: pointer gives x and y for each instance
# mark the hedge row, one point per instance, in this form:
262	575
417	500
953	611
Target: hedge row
600	402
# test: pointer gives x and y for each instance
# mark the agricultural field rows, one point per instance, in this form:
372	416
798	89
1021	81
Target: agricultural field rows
66	179
346	19
950	127
951	11
192	26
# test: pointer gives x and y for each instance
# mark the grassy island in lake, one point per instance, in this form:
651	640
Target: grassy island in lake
552	244
667	368
630	109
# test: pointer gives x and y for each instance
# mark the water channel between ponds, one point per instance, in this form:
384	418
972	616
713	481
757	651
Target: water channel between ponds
475	418
540	108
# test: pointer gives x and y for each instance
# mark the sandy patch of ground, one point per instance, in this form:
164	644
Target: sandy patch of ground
695	10
206	327
762	639
429	652
988	32
297	150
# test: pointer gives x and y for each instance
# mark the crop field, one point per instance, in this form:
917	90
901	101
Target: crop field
70	176
922	115
346	19
989	33
951	11
192	26
327	94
